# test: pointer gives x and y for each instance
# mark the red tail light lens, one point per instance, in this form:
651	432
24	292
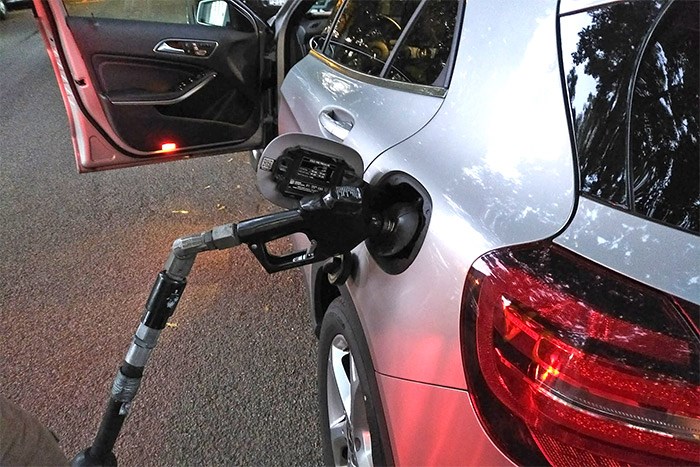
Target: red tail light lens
570	363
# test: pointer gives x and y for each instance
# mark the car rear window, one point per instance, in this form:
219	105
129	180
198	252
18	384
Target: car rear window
664	121
425	51
632	78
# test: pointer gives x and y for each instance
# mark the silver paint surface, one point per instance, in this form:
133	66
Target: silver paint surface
664	258
498	164
497	161
312	87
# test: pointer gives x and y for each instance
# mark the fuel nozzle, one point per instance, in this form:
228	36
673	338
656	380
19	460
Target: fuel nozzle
390	229
334	221
343	199
401	222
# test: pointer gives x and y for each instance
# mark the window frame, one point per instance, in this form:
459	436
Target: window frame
436	90
258	24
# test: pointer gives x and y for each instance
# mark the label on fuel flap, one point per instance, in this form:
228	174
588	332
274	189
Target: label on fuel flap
305	187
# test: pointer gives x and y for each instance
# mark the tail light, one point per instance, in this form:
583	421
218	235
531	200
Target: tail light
569	363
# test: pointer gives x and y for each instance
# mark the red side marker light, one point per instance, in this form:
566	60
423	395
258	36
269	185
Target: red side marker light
168	147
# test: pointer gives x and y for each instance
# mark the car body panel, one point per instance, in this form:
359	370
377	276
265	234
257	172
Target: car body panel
315	85
433	425
505	176
81	49
661	257
84	134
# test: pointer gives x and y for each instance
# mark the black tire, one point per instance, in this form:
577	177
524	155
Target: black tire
341	328
3	10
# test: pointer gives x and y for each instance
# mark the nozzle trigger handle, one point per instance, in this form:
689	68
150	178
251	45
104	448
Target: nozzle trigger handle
274	263
256	233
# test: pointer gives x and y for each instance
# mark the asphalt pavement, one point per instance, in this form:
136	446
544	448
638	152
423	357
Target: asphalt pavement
233	378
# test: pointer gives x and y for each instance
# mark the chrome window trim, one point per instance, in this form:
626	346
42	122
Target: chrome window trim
421	89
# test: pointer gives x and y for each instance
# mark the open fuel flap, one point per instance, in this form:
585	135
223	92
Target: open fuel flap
296	165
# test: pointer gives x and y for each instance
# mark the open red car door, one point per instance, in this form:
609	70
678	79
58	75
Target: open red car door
158	80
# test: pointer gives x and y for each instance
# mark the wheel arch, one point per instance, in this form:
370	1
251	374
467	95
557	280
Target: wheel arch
322	294
354	323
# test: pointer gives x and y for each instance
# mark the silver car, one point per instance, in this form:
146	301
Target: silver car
538	301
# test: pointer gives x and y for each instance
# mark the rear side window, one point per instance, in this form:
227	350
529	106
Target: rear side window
664	126
632	77
366	32
426	49
401	40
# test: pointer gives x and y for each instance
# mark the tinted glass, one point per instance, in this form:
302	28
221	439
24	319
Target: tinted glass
167	11
366	32
599	53
207	12
264	9
664	139
423	54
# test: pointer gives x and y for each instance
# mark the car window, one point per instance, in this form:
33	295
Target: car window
423	55
664	125
208	12
366	31
598	50
166	11
633	90
264	9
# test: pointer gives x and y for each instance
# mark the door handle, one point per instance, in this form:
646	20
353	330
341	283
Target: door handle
195	48
167	48
331	122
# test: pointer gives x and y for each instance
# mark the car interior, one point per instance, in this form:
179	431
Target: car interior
168	89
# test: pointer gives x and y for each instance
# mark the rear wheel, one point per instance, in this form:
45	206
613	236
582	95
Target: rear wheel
348	394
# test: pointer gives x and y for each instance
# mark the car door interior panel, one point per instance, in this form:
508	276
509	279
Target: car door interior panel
182	84
161	84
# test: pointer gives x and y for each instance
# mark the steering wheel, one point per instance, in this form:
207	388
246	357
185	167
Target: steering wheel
391	21
387	30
